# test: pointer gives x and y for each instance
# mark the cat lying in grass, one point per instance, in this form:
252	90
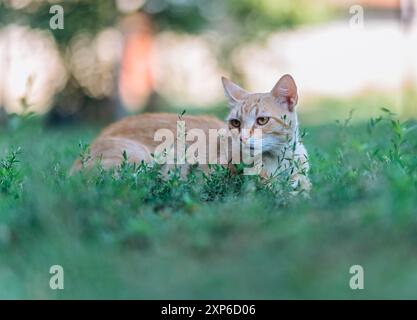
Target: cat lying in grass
263	122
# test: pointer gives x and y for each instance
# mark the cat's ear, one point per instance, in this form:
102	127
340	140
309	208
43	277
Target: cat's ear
286	89
233	92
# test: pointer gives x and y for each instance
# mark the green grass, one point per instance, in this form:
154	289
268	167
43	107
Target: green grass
134	235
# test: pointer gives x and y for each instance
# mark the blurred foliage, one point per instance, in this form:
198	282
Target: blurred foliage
248	16
10	179
79	15
233	21
270	14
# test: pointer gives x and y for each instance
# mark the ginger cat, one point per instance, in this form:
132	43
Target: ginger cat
273	113
136	136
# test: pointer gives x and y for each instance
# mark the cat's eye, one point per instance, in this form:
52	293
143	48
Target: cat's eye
234	123
262	120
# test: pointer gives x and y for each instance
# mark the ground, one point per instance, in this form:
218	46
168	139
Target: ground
132	235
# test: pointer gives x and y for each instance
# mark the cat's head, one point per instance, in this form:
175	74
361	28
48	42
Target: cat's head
272	112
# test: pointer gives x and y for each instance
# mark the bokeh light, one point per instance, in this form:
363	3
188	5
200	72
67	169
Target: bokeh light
157	54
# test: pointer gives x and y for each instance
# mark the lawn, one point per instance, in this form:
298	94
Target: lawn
134	235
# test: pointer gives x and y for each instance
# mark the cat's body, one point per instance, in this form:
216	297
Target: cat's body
135	135
273	114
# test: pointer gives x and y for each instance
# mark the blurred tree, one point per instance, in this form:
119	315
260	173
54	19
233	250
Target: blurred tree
240	20
81	16
3	117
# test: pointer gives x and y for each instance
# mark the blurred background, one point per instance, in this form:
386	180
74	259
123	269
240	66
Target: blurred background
135	235
117	57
